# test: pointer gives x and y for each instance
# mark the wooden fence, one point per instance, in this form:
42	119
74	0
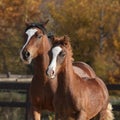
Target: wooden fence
20	87
23	88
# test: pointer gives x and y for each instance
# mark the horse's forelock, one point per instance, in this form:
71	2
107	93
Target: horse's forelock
37	25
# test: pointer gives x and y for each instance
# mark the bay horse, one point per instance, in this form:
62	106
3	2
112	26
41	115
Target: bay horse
76	97
42	88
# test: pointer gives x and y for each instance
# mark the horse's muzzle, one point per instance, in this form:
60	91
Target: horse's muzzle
25	55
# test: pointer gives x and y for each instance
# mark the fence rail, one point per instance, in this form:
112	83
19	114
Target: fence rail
23	88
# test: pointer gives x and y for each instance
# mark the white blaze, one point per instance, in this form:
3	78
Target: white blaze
30	33
55	52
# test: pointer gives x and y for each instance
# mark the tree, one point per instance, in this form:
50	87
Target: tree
12	18
93	27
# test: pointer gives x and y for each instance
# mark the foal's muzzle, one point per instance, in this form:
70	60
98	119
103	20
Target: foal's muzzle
50	73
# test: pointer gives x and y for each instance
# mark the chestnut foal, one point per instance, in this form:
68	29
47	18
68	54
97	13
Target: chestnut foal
76	97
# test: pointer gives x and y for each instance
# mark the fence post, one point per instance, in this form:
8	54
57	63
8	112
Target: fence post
27	112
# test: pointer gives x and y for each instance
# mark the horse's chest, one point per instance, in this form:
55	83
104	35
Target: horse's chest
42	94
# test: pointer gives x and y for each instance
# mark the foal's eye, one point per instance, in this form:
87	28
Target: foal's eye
62	54
39	36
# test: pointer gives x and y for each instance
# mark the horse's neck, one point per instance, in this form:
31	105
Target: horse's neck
42	61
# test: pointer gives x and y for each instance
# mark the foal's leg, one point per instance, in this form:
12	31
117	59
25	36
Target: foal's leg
82	115
107	114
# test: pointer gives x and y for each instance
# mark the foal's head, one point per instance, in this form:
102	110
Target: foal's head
35	34
59	54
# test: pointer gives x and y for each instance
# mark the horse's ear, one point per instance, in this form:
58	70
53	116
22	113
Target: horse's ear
45	23
27	23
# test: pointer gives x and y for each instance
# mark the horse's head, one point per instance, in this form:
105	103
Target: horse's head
35	35
59	54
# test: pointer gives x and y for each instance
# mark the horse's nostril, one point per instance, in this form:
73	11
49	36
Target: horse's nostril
25	54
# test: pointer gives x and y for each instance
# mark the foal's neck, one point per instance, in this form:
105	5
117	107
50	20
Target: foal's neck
66	76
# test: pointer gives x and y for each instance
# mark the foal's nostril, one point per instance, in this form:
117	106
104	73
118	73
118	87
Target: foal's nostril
25	54
50	72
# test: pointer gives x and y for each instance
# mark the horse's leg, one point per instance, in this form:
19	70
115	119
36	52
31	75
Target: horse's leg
36	114
107	114
82	115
